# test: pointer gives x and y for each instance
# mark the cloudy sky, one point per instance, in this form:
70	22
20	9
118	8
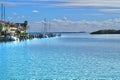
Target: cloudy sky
65	15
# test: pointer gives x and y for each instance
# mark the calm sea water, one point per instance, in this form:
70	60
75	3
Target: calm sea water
72	56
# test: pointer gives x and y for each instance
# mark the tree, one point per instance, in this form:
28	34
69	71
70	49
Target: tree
1	27
17	32
25	25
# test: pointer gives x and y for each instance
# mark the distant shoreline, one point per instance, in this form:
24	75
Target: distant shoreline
58	32
109	31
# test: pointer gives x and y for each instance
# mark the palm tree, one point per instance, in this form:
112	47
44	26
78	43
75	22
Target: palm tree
25	25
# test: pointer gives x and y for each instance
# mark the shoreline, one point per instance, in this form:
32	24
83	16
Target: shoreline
9	38
106	31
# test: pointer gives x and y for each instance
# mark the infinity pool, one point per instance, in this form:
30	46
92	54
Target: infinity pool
73	56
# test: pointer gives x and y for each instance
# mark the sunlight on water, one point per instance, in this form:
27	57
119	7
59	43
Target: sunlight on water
72	56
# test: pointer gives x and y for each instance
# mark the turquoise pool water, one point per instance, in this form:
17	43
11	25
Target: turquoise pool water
72	56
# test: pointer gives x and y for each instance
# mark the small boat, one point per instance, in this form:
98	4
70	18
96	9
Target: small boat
13	38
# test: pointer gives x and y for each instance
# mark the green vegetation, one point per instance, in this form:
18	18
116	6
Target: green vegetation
25	25
24	34
1	29
110	31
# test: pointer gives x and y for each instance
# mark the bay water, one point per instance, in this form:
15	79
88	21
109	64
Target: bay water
73	56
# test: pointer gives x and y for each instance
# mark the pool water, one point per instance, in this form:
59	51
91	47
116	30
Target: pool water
73	56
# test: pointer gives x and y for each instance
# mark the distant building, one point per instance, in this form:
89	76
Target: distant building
20	26
2	22
12	27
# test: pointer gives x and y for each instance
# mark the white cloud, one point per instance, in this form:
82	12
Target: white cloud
110	10
22	16
8	3
14	13
35	11
61	25
10	18
94	3
67	3
19	17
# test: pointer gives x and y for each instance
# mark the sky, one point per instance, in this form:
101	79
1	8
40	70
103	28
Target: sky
65	15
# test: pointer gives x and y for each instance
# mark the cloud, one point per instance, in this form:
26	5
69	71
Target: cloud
93	3
22	16
35	11
110	10
14	13
15	16
67	3
16	3
10	18
7	3
62	25
19	17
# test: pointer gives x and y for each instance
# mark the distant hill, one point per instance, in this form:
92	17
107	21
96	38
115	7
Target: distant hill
106	32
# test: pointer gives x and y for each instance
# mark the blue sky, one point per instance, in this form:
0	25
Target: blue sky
65	15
